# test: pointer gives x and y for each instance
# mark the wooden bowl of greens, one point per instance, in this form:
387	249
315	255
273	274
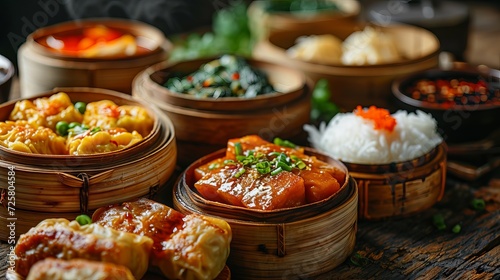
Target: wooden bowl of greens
227	83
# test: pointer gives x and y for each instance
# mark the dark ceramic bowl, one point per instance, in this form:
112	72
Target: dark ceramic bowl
464	118
6	75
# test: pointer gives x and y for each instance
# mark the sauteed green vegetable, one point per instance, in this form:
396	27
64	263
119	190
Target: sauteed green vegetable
228	76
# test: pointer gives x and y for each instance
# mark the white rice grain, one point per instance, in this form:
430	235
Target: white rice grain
351	138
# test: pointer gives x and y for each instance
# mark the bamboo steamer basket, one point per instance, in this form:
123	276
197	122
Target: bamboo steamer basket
41	68
292	243
357	85
203	126
400	189
262	23
66	185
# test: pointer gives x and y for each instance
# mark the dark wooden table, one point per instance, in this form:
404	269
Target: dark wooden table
412	247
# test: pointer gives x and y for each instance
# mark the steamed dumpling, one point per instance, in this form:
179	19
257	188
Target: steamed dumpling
369	47
325	49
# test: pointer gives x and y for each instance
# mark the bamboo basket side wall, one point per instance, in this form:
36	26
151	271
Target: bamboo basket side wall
402	194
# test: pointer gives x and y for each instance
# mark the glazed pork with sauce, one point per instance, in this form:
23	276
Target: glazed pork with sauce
261	175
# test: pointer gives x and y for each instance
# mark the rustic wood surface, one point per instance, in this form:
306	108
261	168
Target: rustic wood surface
412	247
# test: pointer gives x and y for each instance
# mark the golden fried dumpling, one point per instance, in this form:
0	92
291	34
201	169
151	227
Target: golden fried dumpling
185	246
62	239
106	114
96	141
103	114
46	111
23	137
57	269
135	118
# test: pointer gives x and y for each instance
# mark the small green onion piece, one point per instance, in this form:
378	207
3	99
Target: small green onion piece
274	154
284	166
83	219
213	166
276	171
240	158
95	129
228	162
84	127
438	221
283	143
239	173
478	204
358	260
263	167
301	165
283	158
238	150
456	229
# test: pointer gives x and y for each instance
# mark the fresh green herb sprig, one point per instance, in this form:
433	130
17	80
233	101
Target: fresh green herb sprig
322	108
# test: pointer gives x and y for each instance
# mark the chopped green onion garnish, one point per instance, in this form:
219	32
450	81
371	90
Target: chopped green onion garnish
95	129
83	219
283	143
228	162
238	150
438	221
276	171
213	166
274	154
456	229
284	166
240	158
239	173
358	260
301	165
263	167
478	204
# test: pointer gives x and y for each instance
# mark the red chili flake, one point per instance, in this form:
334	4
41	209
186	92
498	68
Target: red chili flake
189	78
235	76
207	83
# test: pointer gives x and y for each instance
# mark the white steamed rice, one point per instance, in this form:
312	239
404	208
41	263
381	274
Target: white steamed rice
353	139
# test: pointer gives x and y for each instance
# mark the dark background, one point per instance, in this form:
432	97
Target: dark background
18	18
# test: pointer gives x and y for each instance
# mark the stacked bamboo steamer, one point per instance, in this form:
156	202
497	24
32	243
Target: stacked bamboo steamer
400	189
203	125
53	186
292	243
42	68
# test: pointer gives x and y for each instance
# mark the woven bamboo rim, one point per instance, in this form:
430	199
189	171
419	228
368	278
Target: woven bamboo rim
398	194
290	85
216	127
186	191
86	95
302	248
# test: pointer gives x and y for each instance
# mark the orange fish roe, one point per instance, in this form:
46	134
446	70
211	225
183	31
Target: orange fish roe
381	117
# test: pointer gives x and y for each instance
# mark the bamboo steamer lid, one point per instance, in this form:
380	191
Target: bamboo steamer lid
42	69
